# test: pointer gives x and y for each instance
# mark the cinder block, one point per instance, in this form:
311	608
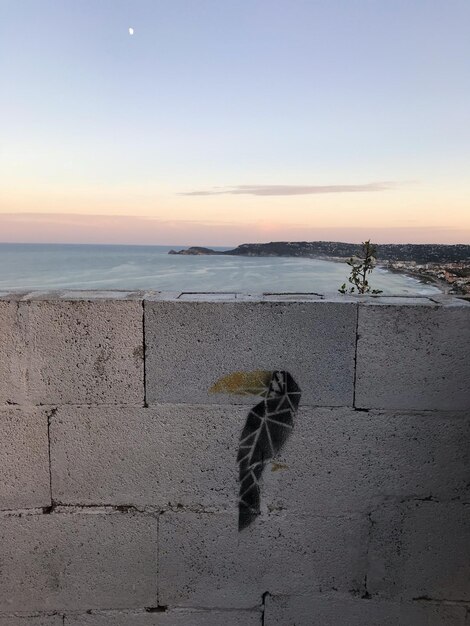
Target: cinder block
337	611
413	357
12	351
339	460
157	296
447	300
45	620
95	294
24	454
292	297
164	455
85	351
174	617
204	560
336	460
189	345
395	300
208	296
77	562
421	550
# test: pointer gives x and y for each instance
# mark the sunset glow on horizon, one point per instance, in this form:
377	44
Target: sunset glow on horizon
223	123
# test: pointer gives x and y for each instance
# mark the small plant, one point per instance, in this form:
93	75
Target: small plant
361	266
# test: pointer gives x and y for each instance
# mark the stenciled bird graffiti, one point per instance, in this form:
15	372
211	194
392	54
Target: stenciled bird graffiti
267	427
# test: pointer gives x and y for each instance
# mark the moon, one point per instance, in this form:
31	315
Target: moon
131	31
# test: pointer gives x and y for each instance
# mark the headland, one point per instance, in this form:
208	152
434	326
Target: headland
444	264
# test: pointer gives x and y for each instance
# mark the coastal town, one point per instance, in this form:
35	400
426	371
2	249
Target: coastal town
453	277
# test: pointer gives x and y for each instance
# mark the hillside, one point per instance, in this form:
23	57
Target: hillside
421	253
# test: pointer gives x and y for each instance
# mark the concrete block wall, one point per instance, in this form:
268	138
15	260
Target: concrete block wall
119	483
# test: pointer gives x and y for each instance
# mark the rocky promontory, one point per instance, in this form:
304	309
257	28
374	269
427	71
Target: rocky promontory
194	251
420	253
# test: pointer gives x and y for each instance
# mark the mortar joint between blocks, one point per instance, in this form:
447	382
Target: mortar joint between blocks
442	601
355	355
144	356
156	609
157	548
263	607
50	414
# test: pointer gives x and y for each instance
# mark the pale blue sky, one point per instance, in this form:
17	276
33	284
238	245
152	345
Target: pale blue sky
223	93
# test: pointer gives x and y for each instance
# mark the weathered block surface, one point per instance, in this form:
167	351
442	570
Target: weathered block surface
46	620
334	611
421	550
176	617
205	561
77	562
164	455
413	357
84	351
24	454
316	542
339	460
12	350
336	460
189	345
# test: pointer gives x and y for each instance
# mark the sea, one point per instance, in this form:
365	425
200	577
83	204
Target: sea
76	266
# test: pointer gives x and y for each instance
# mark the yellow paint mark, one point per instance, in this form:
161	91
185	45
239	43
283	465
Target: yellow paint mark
244	383
275	467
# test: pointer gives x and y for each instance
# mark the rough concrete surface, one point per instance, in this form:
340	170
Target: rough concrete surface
339	460
24	454
395	300
421	550
163	456
84	351
12	350
205	561
176	617
413	357
333	611
189	345
336	460
77	562
82	294
364	512
45	620
207	297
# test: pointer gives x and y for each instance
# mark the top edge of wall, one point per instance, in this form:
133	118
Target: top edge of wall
218	296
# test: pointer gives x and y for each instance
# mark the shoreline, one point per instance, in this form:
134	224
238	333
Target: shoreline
422	278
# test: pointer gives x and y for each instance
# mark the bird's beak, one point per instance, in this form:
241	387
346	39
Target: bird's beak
244	383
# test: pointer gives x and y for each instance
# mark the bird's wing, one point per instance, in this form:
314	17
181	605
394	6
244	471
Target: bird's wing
267	427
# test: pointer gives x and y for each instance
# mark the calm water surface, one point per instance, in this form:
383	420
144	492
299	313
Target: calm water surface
45	266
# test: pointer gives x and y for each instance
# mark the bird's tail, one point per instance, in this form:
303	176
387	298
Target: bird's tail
249	500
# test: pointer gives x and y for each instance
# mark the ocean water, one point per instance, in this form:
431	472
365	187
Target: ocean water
59	266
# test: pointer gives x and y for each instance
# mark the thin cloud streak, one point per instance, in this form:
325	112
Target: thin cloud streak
293	190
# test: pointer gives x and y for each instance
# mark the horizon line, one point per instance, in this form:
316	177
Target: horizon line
212	246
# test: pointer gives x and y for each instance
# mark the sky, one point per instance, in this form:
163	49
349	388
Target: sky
223	122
